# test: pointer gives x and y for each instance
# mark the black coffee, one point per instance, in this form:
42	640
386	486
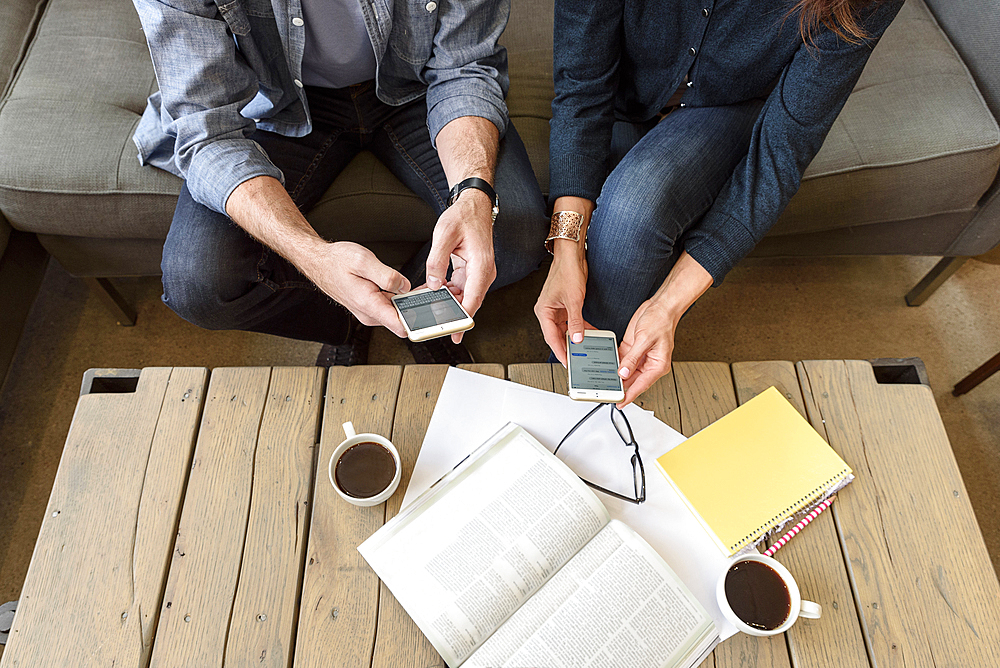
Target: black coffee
758	595
365	469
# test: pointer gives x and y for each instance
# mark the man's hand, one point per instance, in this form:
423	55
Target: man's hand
345	271
463	236
648	345
467	147
354	277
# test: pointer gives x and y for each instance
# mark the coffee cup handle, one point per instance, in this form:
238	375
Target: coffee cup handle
349	430
810	610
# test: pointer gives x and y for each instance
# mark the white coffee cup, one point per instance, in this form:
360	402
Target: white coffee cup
797	608
354	438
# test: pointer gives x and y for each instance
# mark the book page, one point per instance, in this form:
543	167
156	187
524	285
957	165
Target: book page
465	556
615	604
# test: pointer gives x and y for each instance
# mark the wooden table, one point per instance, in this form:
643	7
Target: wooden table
188	525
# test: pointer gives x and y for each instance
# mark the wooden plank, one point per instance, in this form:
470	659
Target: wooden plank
925	587
262	624
340	592
398	641
705	393
94	584
538	376
205	568
814	557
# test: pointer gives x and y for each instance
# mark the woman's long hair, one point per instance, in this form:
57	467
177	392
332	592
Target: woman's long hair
840	16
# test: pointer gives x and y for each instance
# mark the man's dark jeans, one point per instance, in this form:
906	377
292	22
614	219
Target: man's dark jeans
218	277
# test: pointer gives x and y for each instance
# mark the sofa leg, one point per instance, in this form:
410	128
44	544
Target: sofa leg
106	291
941	272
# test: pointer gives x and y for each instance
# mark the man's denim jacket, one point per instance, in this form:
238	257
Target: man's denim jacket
228	68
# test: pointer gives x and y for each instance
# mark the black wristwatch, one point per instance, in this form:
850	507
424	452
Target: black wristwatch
478	184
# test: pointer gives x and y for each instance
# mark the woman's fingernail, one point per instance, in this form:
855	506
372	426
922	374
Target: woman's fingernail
624	372
578	337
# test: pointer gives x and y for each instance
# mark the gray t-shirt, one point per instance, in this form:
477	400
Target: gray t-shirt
338	50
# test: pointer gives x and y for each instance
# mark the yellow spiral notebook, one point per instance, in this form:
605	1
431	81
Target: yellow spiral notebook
754	469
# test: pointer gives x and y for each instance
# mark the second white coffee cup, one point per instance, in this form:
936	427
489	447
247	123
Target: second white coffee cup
353	439
797	607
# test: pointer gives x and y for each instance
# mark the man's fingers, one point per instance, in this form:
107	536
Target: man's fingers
437	263
384	313
477	282
391	280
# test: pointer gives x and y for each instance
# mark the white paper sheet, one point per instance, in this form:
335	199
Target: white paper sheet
471	407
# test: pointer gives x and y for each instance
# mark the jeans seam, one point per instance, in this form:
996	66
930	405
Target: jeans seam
311	169
414	166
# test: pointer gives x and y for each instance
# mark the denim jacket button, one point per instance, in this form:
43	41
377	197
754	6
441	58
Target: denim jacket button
431	6
298	22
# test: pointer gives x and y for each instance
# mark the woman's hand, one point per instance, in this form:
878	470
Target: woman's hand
648	345
560	305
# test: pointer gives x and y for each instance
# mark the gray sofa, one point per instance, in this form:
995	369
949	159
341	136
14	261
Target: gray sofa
22	261
909	168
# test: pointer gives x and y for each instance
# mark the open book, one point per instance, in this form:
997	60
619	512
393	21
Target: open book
511	560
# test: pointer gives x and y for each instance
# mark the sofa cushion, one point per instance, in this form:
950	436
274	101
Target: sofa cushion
67	124
915	138
17	18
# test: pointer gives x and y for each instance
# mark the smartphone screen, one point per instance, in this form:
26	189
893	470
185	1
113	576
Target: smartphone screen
594	364
429	309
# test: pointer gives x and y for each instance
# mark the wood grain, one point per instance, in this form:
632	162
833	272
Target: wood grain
925	587
538	376
262	624
340	591
205	568
705	393
398	641
95	580
814	557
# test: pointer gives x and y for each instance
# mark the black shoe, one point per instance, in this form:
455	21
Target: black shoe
440	351
351	352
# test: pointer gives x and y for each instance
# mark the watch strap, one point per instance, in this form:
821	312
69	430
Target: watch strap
478	184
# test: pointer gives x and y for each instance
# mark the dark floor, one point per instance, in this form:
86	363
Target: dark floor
766	309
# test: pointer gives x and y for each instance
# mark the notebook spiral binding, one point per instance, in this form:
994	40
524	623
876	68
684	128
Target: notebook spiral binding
820	492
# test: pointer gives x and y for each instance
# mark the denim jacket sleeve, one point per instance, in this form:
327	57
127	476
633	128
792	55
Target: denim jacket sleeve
585	74
204	82
789	131
467	72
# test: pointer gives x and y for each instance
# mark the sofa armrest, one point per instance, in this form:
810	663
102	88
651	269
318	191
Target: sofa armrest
973	26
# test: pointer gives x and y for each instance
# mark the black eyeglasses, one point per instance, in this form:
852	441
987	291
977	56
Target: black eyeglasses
622	426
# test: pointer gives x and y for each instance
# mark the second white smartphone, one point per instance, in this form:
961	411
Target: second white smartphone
428	314
593	367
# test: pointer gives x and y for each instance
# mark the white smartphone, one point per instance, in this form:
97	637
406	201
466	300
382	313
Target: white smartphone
428	314
593	367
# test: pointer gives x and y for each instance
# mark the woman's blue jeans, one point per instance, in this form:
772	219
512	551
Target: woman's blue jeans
218	277
666	176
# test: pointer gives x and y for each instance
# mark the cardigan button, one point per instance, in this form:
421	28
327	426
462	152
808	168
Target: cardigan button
693	51
705	12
